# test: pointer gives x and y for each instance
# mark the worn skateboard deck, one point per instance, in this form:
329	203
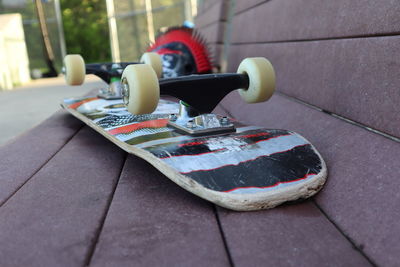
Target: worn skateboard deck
253	168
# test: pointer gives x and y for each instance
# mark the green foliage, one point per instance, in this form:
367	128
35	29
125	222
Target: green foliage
133	30
86	29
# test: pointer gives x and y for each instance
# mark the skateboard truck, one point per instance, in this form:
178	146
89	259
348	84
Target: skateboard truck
75	70
188	120
112	77
196	104
111	73
199	94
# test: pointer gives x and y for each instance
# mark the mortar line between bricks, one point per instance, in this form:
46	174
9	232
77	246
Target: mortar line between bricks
251	7
221	230
346	37
40	168
210	24
209	7
348	238
363	126
226	111
92	247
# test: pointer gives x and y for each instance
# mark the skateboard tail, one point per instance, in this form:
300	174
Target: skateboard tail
253	197
245	201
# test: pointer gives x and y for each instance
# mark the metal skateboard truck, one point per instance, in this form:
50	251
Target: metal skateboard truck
199	94
75	70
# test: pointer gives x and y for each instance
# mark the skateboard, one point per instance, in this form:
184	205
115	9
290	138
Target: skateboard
231	164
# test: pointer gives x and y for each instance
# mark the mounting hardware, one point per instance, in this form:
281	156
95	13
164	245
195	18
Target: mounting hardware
114	91
191	122
173	117
224	120
125	91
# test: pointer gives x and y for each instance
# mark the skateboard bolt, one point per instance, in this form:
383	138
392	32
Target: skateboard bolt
125	91
224	121
173	117
190	124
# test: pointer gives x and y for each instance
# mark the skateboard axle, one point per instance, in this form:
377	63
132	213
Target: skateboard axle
107	71
189	121
203	92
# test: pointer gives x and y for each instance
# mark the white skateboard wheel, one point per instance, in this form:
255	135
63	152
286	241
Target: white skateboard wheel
154	60
75	70
261	79
141	91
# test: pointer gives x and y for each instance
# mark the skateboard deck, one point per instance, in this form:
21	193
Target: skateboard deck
249	169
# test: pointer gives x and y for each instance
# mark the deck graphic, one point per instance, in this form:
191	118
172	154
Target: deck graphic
250	161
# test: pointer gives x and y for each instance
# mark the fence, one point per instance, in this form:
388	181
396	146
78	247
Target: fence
31	27
14	63
134	23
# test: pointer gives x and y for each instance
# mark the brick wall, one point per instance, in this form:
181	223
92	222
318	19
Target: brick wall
341	56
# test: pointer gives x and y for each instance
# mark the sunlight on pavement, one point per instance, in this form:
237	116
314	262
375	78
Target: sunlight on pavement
26	106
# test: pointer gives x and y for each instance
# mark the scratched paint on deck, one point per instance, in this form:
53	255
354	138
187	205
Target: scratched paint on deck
249	161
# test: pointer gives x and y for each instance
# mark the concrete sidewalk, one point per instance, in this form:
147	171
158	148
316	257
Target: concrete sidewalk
25	107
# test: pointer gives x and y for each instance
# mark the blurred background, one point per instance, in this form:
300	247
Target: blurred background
35	35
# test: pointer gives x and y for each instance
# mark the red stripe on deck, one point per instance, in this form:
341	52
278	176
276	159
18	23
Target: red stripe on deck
244	145
236	137
195	155
270	186
220	149
223	166
137	126
76	105
249	144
